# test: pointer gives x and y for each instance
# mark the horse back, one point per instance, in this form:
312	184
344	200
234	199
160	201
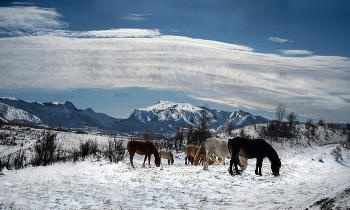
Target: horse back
218	147
141	147
191	150
249	148
164	154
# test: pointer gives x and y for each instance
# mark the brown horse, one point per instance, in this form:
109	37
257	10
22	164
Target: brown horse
253	148
166	155
190	151
143	148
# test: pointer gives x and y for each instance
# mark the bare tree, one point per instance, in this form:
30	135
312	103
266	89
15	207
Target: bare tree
179	136
148	134
321	122
280	112
292	119
203	127
229	127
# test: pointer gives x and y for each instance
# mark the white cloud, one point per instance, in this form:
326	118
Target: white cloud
276	39
31	19
296	52
210	70
136	17
112	33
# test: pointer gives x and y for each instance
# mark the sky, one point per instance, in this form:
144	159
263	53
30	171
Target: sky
114	56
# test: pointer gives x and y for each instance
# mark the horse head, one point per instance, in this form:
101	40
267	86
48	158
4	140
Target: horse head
275	167
200	154
156	158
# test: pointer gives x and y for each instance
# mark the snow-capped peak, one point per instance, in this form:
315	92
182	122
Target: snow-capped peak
10	98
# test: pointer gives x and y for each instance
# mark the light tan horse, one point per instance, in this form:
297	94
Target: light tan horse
190	151
166	155
219	147
143	148
200	155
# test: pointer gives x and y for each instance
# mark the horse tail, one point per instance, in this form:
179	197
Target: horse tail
228	145
172	157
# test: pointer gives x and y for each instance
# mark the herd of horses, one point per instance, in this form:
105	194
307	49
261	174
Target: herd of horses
238	150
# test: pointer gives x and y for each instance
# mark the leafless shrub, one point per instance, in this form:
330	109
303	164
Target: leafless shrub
337	154
45	148
115	150
88	148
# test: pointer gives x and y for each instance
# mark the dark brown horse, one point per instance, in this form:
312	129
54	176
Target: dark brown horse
143	148
253	148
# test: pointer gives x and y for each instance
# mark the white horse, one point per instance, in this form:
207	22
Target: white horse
219	147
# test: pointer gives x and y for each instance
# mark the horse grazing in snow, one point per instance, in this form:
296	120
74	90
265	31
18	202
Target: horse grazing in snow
166	155
190	151
200	155
253	148
143	148
219	148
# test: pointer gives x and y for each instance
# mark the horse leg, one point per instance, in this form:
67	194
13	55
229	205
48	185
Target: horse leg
206	160
234	161
259	161
144	160
131	158
149	160
168	161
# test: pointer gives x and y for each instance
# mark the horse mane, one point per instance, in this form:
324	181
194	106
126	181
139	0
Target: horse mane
156	154
272	154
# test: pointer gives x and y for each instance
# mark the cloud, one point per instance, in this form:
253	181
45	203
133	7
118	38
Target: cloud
136	17
209	70
20	19
276	39
296	52
112	33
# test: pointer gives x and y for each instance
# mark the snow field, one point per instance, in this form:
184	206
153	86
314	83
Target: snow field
95	184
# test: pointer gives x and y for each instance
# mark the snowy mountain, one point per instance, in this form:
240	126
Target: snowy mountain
162	117
165	116
58	114
11	114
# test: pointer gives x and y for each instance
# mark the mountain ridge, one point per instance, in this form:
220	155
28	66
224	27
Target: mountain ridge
62	114
166	115
163	117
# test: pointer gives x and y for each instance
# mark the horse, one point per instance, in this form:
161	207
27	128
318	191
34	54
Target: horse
254	148
219	148
143	148
200	155
166	155
190	151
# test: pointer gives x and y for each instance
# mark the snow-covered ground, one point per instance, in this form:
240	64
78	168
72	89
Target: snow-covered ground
309	176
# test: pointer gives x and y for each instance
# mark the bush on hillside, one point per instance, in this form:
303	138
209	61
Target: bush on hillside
115	150
45	149
337	154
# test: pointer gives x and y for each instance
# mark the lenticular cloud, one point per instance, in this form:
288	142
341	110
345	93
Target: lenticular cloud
210	70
